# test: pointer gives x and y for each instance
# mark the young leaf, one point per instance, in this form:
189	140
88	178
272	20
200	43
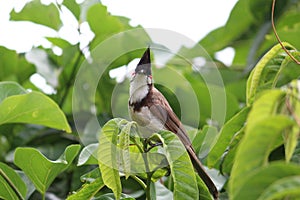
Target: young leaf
11	184
33	108
108	156
255	76
182	170
254	149
39	13
39	169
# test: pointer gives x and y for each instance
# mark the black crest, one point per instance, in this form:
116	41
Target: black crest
144	66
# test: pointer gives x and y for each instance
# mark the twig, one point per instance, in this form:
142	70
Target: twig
277	37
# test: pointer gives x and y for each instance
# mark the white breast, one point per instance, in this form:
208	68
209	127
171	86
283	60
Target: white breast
138	88
148	124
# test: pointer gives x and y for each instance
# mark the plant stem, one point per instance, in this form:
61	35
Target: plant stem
149	174
137	179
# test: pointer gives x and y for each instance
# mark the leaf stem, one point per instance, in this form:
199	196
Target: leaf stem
149	174
138	180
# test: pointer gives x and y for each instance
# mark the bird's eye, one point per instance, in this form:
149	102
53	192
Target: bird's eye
133	73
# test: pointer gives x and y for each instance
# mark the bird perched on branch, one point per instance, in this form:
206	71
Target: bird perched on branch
150	109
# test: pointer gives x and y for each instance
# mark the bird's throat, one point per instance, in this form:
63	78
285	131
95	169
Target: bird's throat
139	89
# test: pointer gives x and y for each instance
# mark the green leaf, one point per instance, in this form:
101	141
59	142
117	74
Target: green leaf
88	190
88	155
102	23
39	169
255	78
124	143
265	106
11	184
233	29
33	108
293	103
254	149
73	7
39	13
108	156
8	88
204	194
285	187
182	170
227	132
61	43
91	175
274	181
14	66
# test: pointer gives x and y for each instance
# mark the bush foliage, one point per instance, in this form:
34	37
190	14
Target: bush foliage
255	149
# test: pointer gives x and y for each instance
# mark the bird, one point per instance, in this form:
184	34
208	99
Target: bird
150	110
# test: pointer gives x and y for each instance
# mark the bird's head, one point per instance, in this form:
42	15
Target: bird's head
141	80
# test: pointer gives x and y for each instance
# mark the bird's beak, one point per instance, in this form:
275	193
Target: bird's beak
144	66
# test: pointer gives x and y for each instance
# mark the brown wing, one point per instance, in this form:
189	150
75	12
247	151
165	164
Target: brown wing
160	107
162	110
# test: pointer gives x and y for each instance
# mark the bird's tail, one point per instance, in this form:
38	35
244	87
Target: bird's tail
203	175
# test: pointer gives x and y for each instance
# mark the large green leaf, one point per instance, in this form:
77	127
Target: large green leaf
39	169
227	132
182	171
254	150
11	185
265	106
39	13
107	156
273	181
34	108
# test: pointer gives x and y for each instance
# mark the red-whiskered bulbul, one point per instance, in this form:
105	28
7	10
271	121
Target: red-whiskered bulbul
150	109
